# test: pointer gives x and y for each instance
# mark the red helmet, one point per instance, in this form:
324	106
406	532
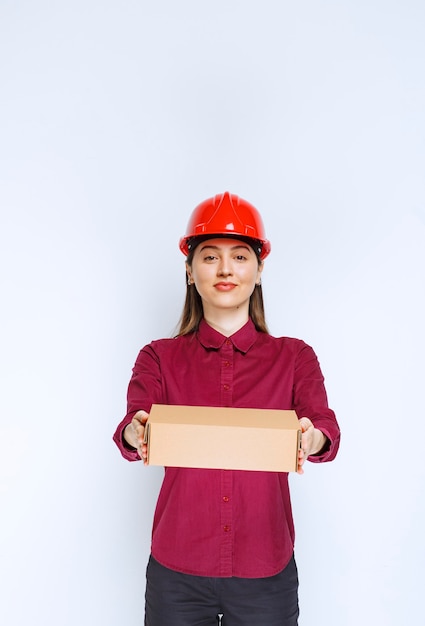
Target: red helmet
226	215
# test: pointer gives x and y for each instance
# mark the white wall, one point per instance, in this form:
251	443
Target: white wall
116	119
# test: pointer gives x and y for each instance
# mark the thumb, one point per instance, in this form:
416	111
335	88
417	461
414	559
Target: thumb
305	423
141	417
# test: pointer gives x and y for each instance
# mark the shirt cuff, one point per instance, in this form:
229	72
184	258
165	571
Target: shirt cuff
328	452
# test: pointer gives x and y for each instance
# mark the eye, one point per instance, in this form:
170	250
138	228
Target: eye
209	258
240	257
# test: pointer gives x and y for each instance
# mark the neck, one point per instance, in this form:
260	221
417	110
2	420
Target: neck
227	322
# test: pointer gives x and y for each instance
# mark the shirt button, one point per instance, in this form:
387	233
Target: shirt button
226	387
226	363
226	529
228	342
226	498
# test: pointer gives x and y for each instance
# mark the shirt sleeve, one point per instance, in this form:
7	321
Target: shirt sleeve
144	389
310	400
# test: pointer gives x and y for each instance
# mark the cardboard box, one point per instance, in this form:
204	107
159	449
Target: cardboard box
223	438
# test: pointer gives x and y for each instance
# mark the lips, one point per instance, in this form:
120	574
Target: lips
223	286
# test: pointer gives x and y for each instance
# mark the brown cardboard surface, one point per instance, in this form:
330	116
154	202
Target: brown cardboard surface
223	438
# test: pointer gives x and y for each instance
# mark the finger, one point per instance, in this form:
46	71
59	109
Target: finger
143	452
300	469
305	447
140	452
139	432
307	438
139	428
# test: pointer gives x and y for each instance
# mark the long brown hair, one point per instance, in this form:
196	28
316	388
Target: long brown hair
193	310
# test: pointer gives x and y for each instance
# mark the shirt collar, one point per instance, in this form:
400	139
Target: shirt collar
243	339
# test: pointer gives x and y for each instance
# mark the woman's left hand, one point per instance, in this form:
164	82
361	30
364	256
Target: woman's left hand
312	441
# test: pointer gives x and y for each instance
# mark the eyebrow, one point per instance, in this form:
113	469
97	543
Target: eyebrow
242	245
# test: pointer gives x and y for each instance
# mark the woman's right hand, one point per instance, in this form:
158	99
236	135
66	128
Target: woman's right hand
134	434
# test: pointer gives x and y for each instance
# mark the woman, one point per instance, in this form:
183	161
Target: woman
223	541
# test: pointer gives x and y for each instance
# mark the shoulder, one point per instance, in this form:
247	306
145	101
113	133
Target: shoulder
288	343
292	352
171	343
167	345
287	348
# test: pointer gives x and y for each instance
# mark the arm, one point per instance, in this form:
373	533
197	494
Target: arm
144	389
320	430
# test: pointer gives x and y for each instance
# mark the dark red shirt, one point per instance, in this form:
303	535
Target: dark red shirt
223	522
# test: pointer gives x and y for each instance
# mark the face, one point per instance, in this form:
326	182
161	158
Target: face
224	272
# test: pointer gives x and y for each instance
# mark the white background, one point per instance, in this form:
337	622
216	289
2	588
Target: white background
116	119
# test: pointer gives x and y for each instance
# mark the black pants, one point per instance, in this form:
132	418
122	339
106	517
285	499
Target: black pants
174	599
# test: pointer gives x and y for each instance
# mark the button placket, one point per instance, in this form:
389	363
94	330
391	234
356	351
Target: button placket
226	521
226	378
226	505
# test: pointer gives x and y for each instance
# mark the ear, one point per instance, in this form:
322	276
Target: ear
188	271
259	272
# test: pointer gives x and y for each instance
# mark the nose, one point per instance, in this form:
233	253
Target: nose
224	268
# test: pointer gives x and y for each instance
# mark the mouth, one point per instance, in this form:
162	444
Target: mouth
224	286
